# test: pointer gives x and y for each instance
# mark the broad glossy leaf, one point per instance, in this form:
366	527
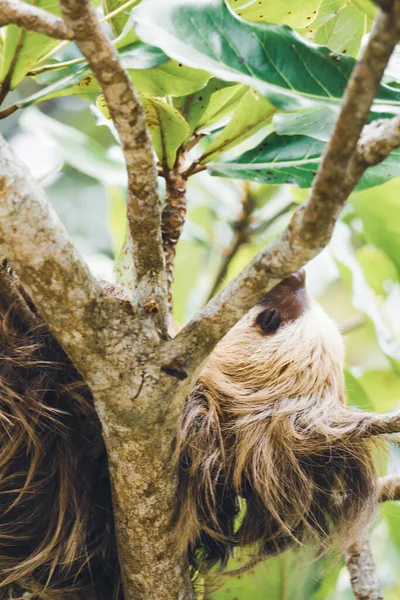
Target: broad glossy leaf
119	21
82	152
294	159
203	106
80	81
169	79
379	211
296	13
379	270
287	576
317	122
253	112
344	32
383	389
167	127
356	393
22	49
273	59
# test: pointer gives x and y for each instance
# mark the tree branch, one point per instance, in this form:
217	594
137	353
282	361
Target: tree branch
173	216
55	276
312	224
240	236
389	488
127	113
33	18
360	564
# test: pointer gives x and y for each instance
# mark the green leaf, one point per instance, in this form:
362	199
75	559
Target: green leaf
169	79
383	388
355	392
285	577
296	13
344	33
317	122
167	127
273	59
211	104
379	211
253	112
80	81
119	21
22	49
80	151
294	159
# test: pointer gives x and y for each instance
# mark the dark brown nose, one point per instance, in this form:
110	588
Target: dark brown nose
296	280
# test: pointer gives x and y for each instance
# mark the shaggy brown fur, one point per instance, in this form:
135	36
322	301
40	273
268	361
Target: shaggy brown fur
265	456
265	425
56	526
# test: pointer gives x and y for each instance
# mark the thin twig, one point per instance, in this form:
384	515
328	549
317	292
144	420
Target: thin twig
241	233
312	224
360	564
33	18
128	115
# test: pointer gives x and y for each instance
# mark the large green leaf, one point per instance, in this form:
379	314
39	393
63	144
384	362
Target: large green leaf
296	13
119	21
294	159
79	81
171	78
167	127
22	49
253	112
210	104
344	32
317	122
284	577
273	59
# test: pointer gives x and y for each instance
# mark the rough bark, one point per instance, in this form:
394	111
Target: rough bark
128	115
360	564
173	216
33	18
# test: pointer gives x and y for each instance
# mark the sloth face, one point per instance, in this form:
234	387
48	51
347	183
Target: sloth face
285	346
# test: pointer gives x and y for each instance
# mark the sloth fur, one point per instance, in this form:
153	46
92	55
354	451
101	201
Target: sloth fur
265	425
264	447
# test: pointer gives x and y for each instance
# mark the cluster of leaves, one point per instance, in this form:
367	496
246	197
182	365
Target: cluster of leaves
257	84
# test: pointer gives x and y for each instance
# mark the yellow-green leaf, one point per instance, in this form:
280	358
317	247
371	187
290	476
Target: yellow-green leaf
22	49
296	13
253	112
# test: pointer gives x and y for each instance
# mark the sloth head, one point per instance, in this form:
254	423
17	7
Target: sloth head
266	423
285	346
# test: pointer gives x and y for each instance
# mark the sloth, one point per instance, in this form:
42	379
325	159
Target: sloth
263	451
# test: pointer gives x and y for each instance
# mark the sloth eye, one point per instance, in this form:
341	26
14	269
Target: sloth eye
269	320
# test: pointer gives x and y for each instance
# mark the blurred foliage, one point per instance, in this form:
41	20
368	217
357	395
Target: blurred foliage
263	126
